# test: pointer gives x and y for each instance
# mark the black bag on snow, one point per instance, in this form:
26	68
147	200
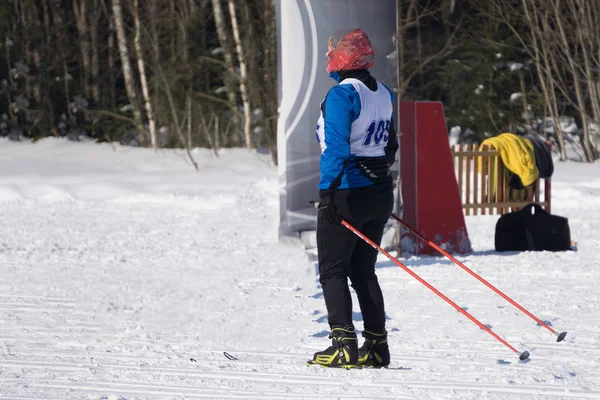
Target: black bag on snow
521	231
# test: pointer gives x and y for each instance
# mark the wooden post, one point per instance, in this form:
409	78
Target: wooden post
491	182
469	177
484	164
460	159
478	177
499	181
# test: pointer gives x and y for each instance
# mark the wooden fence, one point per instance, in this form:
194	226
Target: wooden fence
483	183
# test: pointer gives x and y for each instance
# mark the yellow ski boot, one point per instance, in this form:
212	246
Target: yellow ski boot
343	352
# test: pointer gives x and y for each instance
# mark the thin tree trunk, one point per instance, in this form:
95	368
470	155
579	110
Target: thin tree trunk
560	138
188	104
37	87
81	19
228	56
204	128
192	7
204	45
95	84
127	70
524	100
174	115
184	40
173	35
27	17
270	71
243	76
142	71
46	18
215	143
268	85
59	25
36	24
419	48
67	91
153	19
538	67
49	102
11	82
111	63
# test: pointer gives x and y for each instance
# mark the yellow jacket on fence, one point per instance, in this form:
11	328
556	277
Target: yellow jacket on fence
517	155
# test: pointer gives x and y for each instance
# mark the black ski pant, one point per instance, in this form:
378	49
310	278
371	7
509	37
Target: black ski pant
344	255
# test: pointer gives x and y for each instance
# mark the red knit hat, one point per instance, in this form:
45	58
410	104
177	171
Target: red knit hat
350	49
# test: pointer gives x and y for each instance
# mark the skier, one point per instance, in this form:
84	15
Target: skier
358	144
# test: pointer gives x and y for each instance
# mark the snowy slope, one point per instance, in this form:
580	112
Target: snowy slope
119	266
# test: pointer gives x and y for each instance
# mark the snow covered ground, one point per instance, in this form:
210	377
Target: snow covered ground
125	274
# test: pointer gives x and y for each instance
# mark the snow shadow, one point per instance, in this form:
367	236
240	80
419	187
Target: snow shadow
422	261
401	368
485	253
356	316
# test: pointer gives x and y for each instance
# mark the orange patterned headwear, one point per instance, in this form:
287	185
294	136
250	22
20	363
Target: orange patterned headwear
349	49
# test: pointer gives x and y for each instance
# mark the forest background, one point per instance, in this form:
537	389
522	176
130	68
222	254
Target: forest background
203	73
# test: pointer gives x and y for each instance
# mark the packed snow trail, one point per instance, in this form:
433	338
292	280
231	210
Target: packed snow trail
117	267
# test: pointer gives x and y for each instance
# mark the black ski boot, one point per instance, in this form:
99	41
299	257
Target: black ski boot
374	352
343	352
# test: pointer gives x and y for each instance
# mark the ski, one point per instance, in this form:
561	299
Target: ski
226	354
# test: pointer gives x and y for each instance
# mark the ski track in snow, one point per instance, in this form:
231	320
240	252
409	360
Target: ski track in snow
125	275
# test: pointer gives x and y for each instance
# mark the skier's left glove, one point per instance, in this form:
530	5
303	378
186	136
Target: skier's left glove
328	205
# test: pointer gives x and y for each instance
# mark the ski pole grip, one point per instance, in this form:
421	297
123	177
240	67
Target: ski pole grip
315	204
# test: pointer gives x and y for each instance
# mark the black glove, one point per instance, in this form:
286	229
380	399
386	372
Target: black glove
328	206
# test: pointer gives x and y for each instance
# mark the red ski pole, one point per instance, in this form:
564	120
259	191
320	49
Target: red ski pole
560	336
523	356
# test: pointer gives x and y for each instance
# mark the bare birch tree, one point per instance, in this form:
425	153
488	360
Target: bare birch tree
228	57
126	65
261	63
142	71
60	35
580	100
95	68
586	35
535	41
243	75
82	22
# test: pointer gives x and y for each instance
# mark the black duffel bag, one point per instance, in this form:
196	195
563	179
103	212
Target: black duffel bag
523	230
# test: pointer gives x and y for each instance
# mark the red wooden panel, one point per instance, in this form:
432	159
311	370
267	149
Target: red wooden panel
432	203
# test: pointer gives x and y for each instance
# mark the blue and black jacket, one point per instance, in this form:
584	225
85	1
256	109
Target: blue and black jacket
340	168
